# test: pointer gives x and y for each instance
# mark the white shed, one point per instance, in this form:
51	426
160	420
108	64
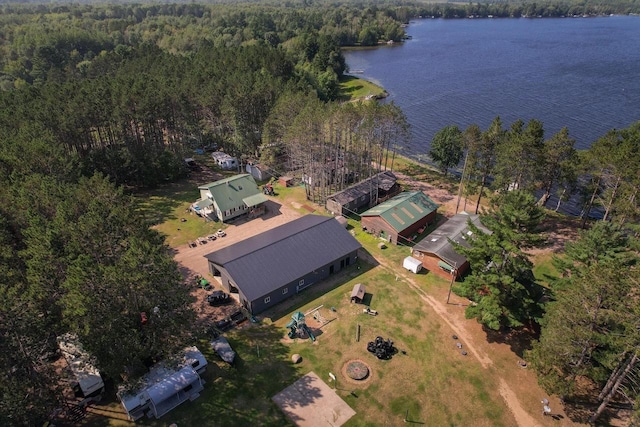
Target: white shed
412	264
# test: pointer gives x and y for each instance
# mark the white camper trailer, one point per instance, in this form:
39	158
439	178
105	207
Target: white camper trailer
165	386
412	264
88	382
224	161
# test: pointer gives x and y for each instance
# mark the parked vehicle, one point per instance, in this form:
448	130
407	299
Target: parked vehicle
203	283
192	165
268	190
221	233
224	324
218	298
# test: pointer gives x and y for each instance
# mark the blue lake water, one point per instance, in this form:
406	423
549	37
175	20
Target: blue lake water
579	73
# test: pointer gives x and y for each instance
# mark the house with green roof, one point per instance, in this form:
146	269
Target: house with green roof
230	197
400	218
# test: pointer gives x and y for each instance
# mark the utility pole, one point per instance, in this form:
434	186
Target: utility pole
453	278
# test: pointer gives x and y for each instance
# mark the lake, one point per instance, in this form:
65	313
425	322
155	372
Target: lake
579	73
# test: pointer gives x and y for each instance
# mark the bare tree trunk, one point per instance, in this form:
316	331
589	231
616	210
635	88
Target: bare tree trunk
560	200
632	200
590	204
545	196
393	157
464	169
614	388
484	182
612	199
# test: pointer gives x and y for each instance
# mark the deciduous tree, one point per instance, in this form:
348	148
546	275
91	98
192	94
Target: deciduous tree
447	148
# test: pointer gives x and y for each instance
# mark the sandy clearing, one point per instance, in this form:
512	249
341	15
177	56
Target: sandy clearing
309	402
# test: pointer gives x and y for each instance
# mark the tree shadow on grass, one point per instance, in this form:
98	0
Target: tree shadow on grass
158	205
241	395
519	340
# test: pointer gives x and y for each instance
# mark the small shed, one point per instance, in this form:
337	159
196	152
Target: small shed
412	264
285	181
357	294
258	171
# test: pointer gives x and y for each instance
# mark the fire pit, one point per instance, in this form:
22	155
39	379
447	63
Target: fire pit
357	370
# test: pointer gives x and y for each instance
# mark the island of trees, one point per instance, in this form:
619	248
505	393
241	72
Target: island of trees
100	101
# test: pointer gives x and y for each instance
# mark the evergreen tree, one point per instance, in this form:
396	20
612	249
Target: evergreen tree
447	148
591	329
558	164
501	287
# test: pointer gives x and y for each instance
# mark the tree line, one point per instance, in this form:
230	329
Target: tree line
91	120
605	176
100	100
588	318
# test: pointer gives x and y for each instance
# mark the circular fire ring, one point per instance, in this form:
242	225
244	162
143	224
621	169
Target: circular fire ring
357	370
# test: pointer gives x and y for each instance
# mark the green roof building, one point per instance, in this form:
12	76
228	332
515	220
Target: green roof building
231	197
401	218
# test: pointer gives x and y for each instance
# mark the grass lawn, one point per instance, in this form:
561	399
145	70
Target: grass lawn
431	379
428	379
166	208
543	268
353	89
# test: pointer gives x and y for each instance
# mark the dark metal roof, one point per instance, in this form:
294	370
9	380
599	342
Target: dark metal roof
456	229
383	181
263	263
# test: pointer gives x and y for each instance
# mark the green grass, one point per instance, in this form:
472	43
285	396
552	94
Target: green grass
353	88
431	381
543	269
166	208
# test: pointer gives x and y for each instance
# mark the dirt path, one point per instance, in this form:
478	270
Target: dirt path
192	262
522	417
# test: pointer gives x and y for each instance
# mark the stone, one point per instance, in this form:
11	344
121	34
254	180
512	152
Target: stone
296	358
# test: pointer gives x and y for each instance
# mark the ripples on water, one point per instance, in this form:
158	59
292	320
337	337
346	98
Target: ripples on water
579	73
582	74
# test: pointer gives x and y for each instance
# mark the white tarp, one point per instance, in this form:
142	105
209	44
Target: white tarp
412	264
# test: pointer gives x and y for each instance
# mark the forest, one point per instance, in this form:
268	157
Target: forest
100	101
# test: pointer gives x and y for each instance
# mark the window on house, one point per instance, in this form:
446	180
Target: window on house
301	282
285	290
267	300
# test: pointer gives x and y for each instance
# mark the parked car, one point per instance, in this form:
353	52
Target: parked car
218	298
221	233
224	324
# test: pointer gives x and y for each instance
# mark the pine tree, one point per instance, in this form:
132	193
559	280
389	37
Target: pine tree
501	286
591	329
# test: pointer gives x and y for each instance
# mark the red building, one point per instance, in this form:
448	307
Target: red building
401	218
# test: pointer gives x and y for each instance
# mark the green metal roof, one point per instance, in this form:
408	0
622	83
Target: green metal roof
404	209
255	200
230	192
